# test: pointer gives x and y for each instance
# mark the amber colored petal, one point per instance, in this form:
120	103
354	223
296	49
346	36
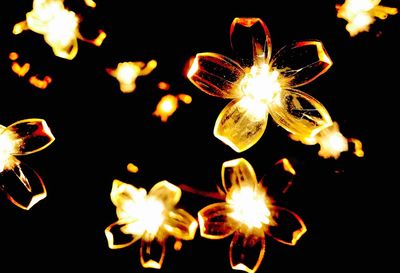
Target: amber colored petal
167	193
251	41
238	173
288	228
241	123
67	52
117	237
214	222
180	224
30	135
216	75
247	250
152	253
23	186
302	62
299	113
123	193
279	178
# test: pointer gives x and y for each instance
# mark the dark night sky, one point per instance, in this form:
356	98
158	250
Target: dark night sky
99	130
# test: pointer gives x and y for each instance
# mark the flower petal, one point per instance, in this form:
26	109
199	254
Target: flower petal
117	237
25	191
216	75
167	193
238	173
30	135
152	253
302	62
126	197
214	222
181	224
247	250
289	226
241	123
300	114
251	41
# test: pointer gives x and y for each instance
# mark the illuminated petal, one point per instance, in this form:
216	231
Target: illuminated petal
279	179
65	51
251	41
25	191
117	237
123	193
167	193
152	253
300	114
241	123
214	222
31	135
237	173
302	62
181	224
247	250
216	75
289	226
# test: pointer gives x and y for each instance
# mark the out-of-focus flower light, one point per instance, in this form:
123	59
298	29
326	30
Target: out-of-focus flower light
248	214
22	138
58	25
151	217
127	72
169	104
259	85
41	84
360	14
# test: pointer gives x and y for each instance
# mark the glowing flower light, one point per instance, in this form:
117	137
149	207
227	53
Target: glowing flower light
169	104
360	14
127	72
58	25
41	84
150	217
22	138
248	214
332	142
260	85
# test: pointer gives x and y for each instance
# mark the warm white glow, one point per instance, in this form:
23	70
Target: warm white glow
8	146
332	142
63	28
250	206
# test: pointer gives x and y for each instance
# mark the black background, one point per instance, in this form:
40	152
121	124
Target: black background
99	130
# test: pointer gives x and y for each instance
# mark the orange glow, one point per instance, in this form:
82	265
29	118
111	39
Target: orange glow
127	72
90	3
163	86
169	104
360	14
132	168
358	151
13	56
42	84
20	70
287	166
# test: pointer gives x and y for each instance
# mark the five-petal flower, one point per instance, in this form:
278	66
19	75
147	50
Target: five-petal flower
262	85
248	214
22	138
151	217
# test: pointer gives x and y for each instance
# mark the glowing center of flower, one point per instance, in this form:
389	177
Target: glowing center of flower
249	207
62	29
127	72
261	83
8	146
152	216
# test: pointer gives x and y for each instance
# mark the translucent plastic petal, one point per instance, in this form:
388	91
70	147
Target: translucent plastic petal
23	186
117	238
123	193
31	135
289	226
237	173
241	123
167	193
216	75
302	62
247	250
279	178
251	41
214	222
152	253
299	113
181	224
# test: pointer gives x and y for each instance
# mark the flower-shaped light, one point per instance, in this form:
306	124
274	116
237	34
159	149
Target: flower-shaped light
150	217
360	14
58	25
248	214
169	104
261	85
22	138
127	72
